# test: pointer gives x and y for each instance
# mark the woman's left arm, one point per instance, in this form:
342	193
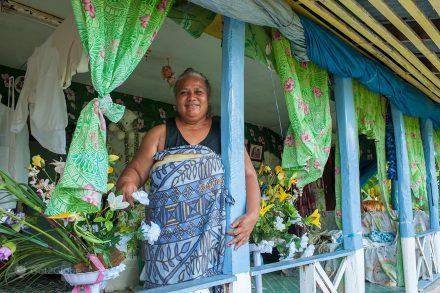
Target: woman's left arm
243	226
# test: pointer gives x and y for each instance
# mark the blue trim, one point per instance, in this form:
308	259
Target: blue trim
427	232
404	187
293	263
232	135
193	285
431	178
349	149
395	194
329	52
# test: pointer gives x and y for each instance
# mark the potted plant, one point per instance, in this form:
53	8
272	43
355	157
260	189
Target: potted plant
278	213
90	247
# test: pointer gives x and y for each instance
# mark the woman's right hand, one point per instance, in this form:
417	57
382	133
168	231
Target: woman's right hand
127	191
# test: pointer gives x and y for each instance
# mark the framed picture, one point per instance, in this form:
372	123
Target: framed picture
256	152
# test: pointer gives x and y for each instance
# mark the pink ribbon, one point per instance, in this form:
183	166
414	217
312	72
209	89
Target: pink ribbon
95	260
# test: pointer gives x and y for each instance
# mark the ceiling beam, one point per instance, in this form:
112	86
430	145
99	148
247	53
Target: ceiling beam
339	24
386	11
413	64
413	25
436	5
14	7
422	20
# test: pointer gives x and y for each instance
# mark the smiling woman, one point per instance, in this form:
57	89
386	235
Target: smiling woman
188	194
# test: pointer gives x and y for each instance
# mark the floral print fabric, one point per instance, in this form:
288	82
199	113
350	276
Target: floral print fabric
416	160
116	35
306	90
371	109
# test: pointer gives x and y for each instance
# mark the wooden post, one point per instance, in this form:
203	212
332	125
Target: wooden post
237	262
351	206
406	225
431	183
307	278
259	278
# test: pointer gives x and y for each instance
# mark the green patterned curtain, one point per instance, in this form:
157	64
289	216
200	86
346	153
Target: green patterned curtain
416	160
308	141
437	148
370	111
116	34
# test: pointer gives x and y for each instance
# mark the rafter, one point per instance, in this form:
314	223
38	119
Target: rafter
386	11
339	24
436	5
376	40
422	20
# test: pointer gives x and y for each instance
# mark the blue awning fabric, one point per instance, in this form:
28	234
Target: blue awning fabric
328	51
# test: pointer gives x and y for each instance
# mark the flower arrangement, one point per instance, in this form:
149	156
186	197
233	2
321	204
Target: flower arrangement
35	242
278	213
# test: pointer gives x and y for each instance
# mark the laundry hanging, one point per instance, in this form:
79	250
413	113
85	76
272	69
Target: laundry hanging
116	35
308	141
49	71
14	147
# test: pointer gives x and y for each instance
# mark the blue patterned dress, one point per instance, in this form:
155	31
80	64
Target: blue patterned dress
187	201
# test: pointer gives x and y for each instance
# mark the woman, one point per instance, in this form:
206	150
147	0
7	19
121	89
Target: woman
187	197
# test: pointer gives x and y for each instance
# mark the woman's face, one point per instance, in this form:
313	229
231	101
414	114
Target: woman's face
192	99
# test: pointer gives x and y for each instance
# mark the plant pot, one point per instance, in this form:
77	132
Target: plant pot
89	279
128	278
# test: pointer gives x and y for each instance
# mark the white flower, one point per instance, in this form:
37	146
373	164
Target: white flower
279	225
59	166
266	246
123	241
141	196
33	171
116	202
19	270
304	241
292	250
150	232
309	251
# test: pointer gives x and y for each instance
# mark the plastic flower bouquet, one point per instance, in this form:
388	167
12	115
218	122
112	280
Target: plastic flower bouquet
278	213
32	243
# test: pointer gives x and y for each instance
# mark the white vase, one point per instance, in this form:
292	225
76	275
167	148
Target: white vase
89	278
128	278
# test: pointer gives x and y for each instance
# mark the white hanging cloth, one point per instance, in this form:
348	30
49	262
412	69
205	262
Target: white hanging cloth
14	148
49	71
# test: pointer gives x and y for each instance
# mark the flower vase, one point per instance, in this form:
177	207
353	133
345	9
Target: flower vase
128	278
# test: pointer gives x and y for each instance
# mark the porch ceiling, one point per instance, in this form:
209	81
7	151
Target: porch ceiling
402	34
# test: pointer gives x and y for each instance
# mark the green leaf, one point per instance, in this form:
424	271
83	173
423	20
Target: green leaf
98	220
16	227
108	225
109	214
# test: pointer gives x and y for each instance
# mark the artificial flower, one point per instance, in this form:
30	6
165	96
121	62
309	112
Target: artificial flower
123	242
38	161
278	169
264	208
314	218
151	232
266	246
110	170
141	196
304	241
112	158
5	253
279	225
292	181
116	202
59	166
110	186
291	250
309	251
33	171
282	195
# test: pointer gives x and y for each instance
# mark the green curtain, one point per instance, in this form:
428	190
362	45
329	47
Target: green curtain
308	141
437	148
416	160
116	35
370	111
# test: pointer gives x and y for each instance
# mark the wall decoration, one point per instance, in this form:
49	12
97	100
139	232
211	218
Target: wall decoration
256	152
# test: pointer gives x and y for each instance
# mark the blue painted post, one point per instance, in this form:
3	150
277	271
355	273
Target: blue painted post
232	138
351	206
431	183
406	226
431	178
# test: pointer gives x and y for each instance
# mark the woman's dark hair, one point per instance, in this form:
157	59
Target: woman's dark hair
191	72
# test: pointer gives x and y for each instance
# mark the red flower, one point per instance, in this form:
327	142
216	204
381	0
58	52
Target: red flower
317	92
144	20
276	35
413	135
305	137
304	64
289	140
289	85
304	106
88	6
162	5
